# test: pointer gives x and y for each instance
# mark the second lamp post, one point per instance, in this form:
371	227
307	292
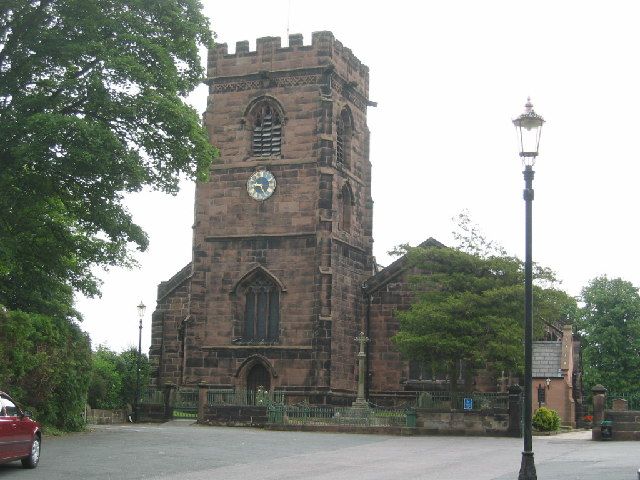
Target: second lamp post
136	403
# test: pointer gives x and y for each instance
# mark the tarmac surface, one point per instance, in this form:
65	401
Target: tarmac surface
179	450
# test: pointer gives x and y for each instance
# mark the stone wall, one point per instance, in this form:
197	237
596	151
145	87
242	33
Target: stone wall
490	423
625	424
168	323
388	372
96	416
234	416
271	56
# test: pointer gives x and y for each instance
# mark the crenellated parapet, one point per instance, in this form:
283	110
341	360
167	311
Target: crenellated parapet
325	58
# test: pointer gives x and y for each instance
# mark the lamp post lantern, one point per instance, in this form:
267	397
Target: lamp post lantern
141	309
528	127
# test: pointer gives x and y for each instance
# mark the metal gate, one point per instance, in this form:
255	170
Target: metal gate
185	404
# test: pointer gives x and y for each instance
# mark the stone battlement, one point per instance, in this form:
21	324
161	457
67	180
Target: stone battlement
270	55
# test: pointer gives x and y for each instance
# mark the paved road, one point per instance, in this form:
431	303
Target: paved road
180	451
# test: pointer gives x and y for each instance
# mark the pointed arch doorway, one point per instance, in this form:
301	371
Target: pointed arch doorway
258	376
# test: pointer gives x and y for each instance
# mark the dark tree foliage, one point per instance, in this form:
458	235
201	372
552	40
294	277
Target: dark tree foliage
90	108
467	309
113	378
470	307
129	359
45	365
610	328
105	385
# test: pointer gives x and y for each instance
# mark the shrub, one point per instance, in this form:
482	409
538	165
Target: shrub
546	420
45	366
113	378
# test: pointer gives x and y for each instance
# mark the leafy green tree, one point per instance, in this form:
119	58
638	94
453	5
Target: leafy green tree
46	364
128	367
610	328
467	309
470	306
113	378
105	388
91	107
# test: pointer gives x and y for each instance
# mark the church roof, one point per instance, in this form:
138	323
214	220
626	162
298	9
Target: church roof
168	286
546	360
387	274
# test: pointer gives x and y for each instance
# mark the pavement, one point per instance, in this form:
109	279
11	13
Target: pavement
180	450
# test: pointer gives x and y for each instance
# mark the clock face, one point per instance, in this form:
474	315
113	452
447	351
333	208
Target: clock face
261	185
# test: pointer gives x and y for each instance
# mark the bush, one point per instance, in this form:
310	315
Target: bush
546	420
46	364
113	378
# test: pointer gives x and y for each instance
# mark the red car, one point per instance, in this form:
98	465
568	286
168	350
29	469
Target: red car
20	436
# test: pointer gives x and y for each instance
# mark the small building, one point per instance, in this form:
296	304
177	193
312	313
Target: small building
556	379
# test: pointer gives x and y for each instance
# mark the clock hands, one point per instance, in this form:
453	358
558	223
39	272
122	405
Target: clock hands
261	185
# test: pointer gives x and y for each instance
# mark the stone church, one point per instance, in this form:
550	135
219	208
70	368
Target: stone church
282	277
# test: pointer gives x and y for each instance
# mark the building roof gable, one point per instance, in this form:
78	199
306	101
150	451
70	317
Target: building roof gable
387	274
168	286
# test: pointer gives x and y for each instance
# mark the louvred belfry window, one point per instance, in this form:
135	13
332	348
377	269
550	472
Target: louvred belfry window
262	310
267	132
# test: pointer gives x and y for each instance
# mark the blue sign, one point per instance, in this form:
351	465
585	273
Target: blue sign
468	403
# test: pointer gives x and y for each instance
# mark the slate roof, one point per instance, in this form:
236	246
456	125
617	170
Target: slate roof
546	359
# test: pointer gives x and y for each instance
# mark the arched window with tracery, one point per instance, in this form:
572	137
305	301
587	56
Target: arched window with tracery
267	130
347	208
344	132
262	309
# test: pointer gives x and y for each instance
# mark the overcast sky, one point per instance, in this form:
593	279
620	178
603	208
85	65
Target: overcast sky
449	76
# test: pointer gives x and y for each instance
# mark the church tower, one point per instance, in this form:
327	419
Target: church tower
282	238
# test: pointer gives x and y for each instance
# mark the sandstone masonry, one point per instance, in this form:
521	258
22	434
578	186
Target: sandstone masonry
309	245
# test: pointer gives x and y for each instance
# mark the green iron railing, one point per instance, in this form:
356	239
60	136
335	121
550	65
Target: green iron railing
152	397
243	397
633	400
185	403
325	415
465	401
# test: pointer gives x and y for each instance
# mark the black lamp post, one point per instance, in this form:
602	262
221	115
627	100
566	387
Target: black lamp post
528	126
141	310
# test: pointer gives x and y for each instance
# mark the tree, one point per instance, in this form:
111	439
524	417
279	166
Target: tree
467	309
90	108
128	367
469	306
610	327
46	364
113	379
105	387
